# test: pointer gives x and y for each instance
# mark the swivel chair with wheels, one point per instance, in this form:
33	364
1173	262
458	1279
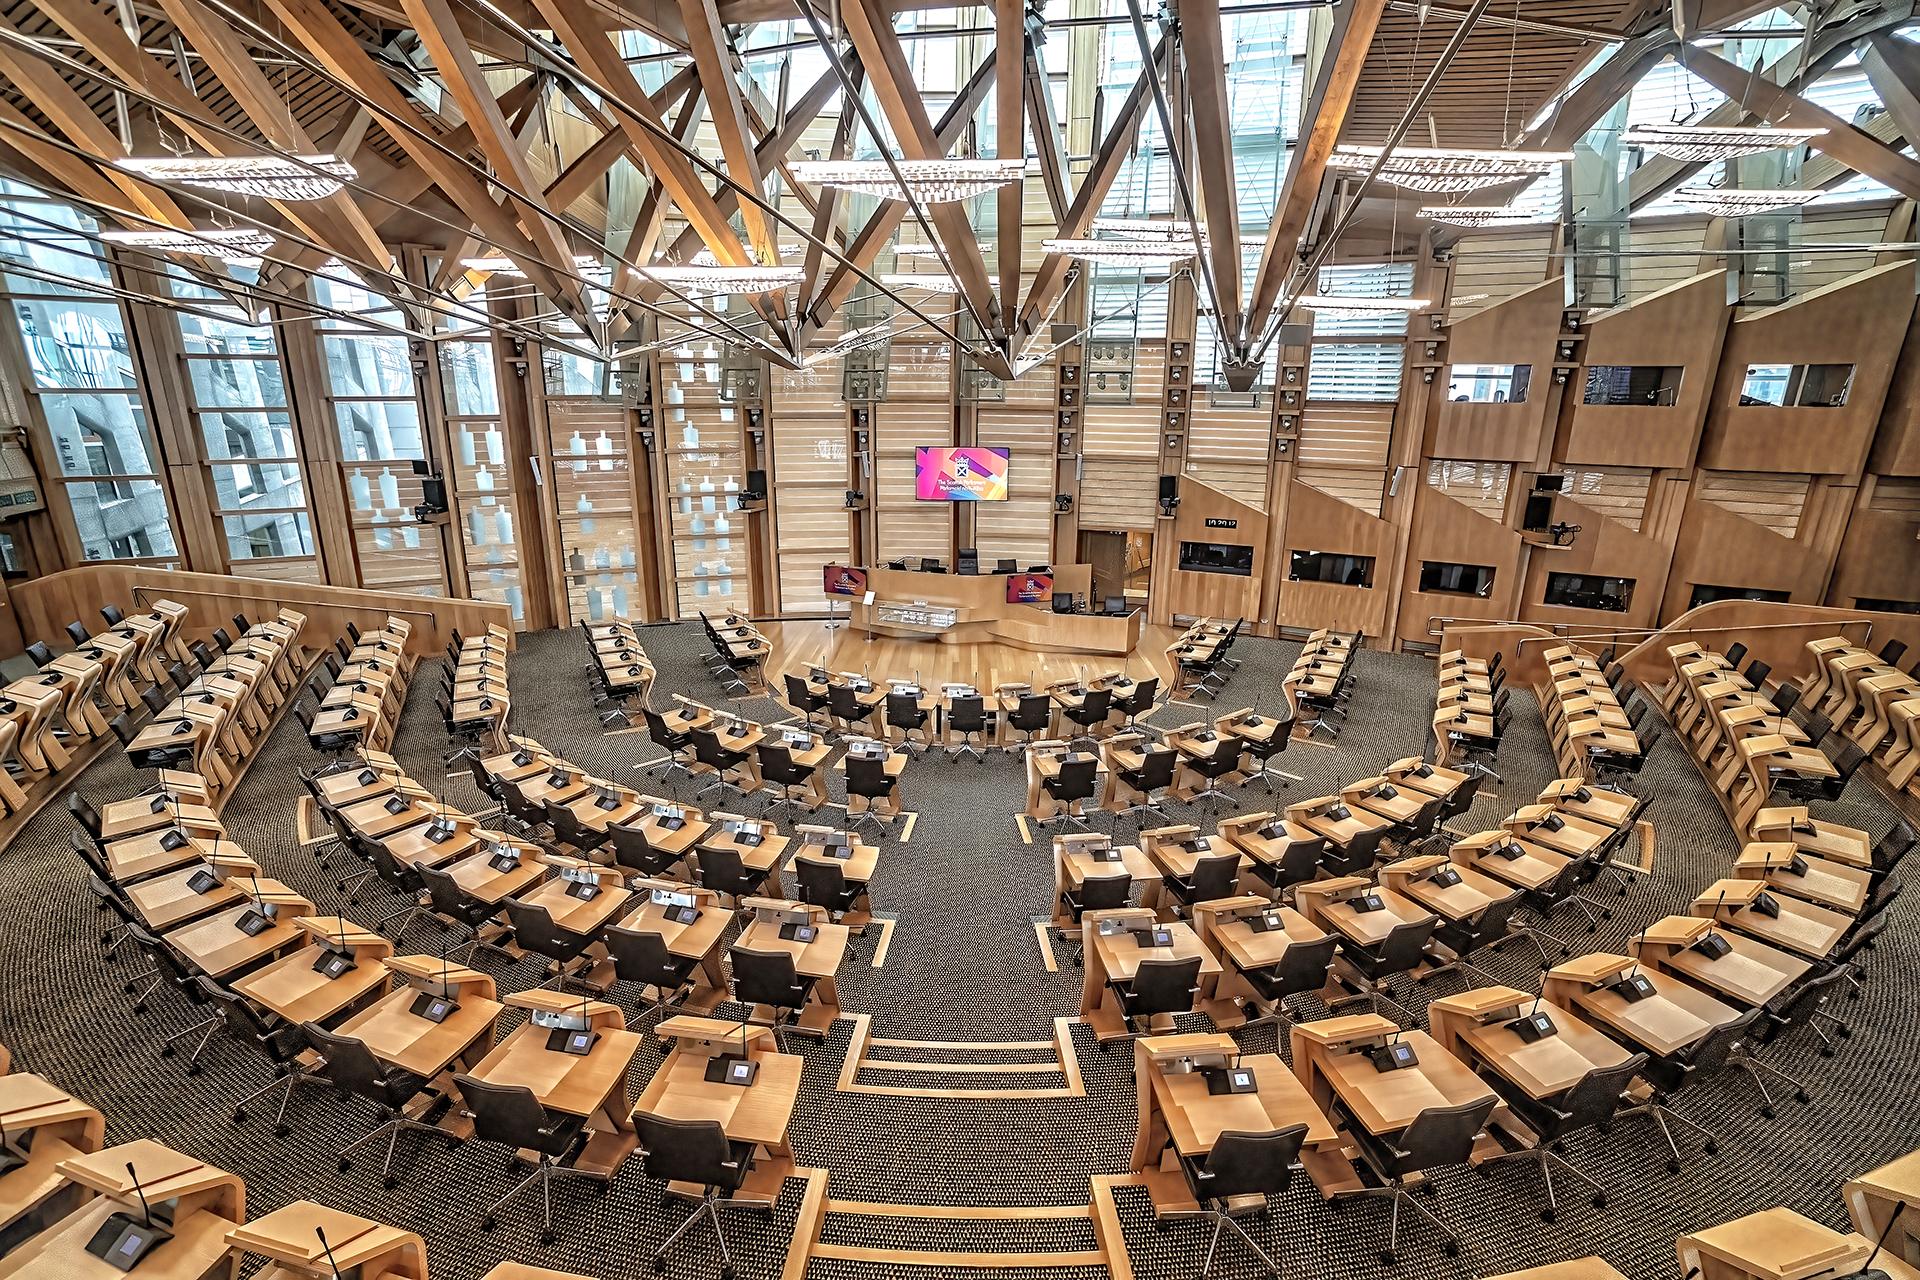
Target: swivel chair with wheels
769	978
1302	968
696	1153
967	717
510	1116
1238	1165
1438	1138
1591	1103
641	957
349	1066
1669	1075
1159	988
1031	717
1075	784
1095	893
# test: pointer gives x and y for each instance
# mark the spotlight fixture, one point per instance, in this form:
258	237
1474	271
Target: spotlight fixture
1733	202
1480	215
1707	143
1124	253
269	177
1437	169
928	181
229	244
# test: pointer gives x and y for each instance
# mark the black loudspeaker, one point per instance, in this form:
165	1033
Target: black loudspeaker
433	496
1169	488
756	489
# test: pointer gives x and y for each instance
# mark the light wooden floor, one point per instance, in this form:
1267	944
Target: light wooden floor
985	666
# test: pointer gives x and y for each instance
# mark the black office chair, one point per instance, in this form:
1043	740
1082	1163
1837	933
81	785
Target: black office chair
1354	858
1264	752
699	1153
1158	987
1138	701
1214	877
1698	1062
1074	784
1438	1138
1736	654
454	906
824	884
676	744
112	614
725	872
511	1116
1238	1165
868	778
802	698
1302	968
967	717
905	713
848	708
1031	717
643	958
85	814
1297	865
1211	769
526	814
728	765
535	930
571	836
1487	930
109	896
280	1043
40	654
778	769
350	1067
632	851
1890	848
1152	780
1096	893
1803	1006
402	879
1399	952
1858	940
1590	1104
1092	712
1797	789
769	978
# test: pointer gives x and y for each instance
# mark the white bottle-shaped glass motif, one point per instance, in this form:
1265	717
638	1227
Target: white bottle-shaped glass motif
584	509
389	489
483	480
577	447
362	492
504	519
604	447
477	526
410	535
466	447
496	446
619	602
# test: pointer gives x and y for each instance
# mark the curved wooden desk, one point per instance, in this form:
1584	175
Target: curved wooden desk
981	613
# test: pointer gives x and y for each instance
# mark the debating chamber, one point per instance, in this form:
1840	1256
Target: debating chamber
1050	640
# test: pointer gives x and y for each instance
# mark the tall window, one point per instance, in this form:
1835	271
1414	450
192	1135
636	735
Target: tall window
376	408
237	388
809	428
479	478
81	374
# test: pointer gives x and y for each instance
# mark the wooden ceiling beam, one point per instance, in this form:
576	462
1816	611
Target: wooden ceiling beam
411	181
824	217
728	112
1047	139
1210	117
1108	159
869	25
1893	69
1335	82
1009	139
460	72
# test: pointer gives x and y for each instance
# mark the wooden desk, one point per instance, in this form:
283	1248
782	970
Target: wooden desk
1663	1024
138	857
592	1085
168	901
760	1113
62	1127
1751	974
1329	1058
1455	903
1800	927
1530	868
1473	1026
1833	885
1226	928
374	819
1115	957
819	959
1325	902
1823	839
360	1246
396	1035
217	947
699	940
1577	1269
1872	1198
477	877
1777	1244
207	1204
669	841
1315	816
726	832
292	989
895	764
1074	861
581	915
1179	1117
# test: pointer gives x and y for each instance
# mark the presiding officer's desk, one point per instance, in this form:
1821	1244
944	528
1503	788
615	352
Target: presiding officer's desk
57	1126
1180	1116
207	1204
288	1239
1779	1244
760	1112
981	613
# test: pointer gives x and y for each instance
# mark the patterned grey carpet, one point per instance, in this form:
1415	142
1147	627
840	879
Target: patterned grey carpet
963	965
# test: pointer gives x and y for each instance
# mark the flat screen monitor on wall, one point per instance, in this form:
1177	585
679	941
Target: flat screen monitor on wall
959	474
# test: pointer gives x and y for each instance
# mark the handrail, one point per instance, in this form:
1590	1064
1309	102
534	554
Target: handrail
1560	629
164	593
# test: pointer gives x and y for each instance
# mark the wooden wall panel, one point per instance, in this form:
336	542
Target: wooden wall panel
1521	330
1879	558
1319	522
1718	547
1490	267
1213	595
1444	529
1604	547
1896	451
1773	501
1684	324
1860	321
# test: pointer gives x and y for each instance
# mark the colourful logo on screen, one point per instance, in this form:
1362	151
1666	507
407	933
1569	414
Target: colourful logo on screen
840	580
1029	588
960	475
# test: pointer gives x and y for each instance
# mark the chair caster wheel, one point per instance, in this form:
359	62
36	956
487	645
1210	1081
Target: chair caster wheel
390	1182
1593	928
1845	1033
1711	1147
345	1164
1599	1199
239	1115
726	1272
1548	1215
659	1264
193	1068
1451	1248
1827	1052
1565	952
454	1144
1387	1258
488	1224
1606	913
340	886
1767	1111
1673	1166
281	1130
167	1051
1485	1173
1106	1048
547	1237
141	1007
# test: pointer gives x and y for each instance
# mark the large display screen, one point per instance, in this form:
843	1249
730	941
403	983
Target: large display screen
965	474
843	580
1029	588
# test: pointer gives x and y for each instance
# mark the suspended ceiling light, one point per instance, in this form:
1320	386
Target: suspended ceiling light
1124	253
1354	306
928	281
270	177
1436	169
499	264
229	244
1148	228
703	274
852	340
1732	202
928	181
1481	215
1706	143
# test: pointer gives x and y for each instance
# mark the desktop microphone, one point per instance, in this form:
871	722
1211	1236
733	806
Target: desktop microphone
120	1242
327	1249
